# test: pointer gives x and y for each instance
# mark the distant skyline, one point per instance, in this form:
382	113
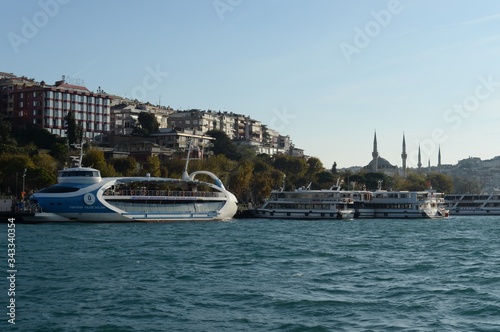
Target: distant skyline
326	73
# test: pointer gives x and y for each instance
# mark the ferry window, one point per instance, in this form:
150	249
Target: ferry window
59	189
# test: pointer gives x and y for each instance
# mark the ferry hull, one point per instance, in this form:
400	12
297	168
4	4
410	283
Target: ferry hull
391	214
273	214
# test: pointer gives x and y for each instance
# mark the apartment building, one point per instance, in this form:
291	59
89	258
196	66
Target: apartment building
26	101
199	122
125	115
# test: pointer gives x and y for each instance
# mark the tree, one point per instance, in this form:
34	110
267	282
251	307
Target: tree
153	166
95	158
7	143
12	166
147	124
46	161
125	166
294	168
224	145
325	179
314	166
241	178
373	179
440	182
414	182
467	186
60	152
74	132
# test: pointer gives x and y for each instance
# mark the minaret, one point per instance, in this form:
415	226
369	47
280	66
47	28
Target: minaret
375	153
419	159
429	166
439	159
404	156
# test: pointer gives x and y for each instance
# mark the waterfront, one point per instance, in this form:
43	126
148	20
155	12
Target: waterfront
258	275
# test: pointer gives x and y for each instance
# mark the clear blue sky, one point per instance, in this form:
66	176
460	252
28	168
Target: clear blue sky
328	73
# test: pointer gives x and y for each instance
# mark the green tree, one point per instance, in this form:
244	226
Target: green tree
466	185
60	152
95	158
148	124
440	182
125	166
314	166
223	145
7	143
73	130
153	166
39	178
47	162
240	181
12	166
325	179
293	167
415	182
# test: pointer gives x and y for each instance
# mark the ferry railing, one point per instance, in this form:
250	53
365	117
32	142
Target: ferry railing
166	193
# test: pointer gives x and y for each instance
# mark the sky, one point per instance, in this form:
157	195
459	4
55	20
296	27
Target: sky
328	73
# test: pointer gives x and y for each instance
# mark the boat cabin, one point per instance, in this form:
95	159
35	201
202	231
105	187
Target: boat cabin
79	175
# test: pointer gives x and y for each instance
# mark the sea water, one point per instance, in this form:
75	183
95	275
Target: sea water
256	275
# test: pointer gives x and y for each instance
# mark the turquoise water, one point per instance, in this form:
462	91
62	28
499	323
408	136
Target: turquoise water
257	275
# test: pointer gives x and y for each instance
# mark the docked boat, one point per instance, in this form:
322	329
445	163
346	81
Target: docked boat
399	204
81	194
472	204
307	204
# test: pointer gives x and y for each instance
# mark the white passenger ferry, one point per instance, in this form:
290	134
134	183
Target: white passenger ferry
307	204
81	194
399	204
474	204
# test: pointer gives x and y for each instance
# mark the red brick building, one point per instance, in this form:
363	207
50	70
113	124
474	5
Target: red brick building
25	101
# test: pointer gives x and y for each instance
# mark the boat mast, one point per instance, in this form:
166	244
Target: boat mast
78	159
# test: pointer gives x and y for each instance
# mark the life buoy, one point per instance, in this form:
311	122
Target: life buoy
322	214
385	214
131	192
307	213
288	214
157	193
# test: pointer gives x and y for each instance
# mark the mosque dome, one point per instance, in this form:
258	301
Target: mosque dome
382	164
